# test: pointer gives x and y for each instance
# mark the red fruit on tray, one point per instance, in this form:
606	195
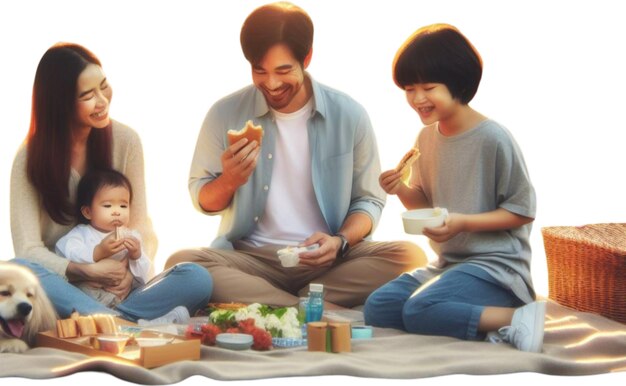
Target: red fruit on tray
246	326
209	332
262	339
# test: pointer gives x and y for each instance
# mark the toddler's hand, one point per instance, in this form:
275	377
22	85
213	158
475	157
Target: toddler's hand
134	247
107	248
390	181
451	227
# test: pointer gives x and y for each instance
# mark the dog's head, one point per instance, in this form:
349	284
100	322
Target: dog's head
24	307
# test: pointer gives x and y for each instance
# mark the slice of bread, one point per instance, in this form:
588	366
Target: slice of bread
66	328
405	164
105	323
249	131
86	325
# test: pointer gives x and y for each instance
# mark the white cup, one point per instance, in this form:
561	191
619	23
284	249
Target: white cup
416	220
289	259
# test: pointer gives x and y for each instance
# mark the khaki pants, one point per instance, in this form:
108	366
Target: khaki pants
251	274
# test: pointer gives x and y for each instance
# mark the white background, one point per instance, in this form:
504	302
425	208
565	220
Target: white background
553	75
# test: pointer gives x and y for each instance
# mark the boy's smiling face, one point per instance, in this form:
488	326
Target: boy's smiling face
432	101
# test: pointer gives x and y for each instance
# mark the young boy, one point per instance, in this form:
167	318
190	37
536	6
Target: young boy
472	166
103	206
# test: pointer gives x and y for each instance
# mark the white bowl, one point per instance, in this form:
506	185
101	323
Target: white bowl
112	343
416	220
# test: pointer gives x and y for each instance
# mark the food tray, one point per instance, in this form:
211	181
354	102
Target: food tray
149	357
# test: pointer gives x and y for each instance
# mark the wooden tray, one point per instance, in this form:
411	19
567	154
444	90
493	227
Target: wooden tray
149	357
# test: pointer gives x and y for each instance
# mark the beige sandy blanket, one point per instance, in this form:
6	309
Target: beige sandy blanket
575	344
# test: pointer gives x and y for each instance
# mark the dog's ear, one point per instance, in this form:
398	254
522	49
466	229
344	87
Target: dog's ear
43	318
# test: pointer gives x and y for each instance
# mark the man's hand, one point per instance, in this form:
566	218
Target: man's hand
390	181
453	225
134	247
107	248
239	161
327	252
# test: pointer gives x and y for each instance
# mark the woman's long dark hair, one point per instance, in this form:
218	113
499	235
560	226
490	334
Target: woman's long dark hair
49	140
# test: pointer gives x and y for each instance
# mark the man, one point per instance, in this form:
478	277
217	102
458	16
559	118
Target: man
314	179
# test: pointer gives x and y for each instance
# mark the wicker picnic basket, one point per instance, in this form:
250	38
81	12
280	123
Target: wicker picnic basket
587	268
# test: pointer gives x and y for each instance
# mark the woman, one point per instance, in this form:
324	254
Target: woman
71	133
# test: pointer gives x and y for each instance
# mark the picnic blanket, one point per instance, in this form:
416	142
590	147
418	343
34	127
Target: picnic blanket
575	343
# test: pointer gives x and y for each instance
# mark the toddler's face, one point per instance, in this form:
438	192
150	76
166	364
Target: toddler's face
110	208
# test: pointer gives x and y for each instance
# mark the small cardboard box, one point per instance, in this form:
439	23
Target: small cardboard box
149	357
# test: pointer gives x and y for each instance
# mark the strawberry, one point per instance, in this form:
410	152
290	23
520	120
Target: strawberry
262	339
209	332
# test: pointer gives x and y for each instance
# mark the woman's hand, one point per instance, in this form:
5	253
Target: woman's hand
107	272
239	161
123	288
390	181
453	225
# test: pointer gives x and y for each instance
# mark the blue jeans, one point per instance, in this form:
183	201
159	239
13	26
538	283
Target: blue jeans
450	305
185	284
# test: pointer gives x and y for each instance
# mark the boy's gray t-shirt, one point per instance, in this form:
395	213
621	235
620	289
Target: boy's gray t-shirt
474	172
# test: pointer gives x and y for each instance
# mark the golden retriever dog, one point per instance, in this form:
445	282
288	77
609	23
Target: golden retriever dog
25	309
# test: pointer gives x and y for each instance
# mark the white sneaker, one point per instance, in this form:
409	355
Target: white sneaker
494	337
178	315
526	329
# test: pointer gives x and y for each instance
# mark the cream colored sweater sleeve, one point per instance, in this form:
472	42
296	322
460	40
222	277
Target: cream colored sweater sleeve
28	223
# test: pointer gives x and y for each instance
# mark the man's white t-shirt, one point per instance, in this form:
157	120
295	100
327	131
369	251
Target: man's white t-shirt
292	213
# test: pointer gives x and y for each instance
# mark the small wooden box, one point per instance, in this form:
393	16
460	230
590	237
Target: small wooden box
148	357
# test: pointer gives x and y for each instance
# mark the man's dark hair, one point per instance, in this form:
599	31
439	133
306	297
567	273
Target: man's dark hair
439	53
276	23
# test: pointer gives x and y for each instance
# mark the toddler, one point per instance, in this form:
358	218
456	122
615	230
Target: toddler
103	205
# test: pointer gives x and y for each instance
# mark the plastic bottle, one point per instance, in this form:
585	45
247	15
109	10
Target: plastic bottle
315	308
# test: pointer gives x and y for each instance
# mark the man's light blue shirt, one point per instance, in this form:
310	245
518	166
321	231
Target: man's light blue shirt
344	160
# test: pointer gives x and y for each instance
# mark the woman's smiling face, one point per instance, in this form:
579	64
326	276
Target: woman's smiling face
93	96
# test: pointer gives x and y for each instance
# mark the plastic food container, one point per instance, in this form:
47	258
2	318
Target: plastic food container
234	341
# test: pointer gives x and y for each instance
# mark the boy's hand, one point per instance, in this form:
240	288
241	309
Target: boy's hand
453	225
107	248
134	247
390	181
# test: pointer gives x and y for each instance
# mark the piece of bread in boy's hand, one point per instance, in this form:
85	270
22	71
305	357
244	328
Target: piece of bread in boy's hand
249	131
404	166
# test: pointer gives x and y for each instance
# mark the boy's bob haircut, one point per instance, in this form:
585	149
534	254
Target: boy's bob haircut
273	24
92	182
439	53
